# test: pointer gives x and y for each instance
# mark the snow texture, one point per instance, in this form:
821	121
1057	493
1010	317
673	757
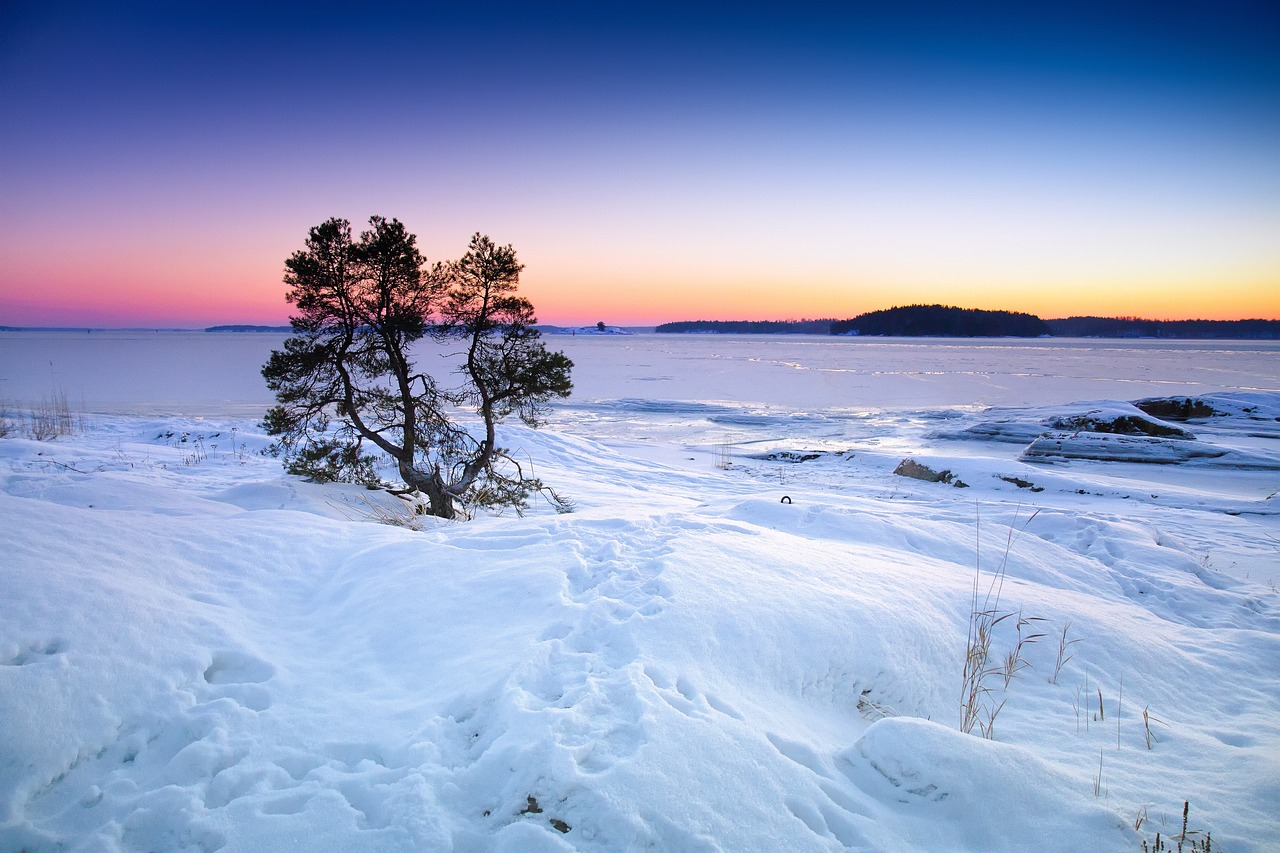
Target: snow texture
198	652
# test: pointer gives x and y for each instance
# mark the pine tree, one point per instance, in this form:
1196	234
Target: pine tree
346	386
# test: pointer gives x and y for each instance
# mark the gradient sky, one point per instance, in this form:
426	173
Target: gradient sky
648	161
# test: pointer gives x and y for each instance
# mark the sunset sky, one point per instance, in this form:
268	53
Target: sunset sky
648	161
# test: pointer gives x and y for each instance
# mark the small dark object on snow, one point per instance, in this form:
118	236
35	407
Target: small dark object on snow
913	469
792	456
1023	484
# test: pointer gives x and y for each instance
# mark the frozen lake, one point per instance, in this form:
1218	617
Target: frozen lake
198	373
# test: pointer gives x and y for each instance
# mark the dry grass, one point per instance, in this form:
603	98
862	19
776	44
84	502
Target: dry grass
1186	841
980	702
51	418
1147	719
1065	654
8	426
874	710
399	514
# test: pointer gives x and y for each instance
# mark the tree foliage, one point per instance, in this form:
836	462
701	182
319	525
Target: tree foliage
347	387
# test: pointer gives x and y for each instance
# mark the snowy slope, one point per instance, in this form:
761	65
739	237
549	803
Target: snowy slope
198	652
201	653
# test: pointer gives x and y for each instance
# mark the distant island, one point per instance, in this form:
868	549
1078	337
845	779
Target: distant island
748	327
946	321
1133	327
90	329
242	328
598	329
943	321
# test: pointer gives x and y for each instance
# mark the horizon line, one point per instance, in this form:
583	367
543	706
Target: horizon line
286	325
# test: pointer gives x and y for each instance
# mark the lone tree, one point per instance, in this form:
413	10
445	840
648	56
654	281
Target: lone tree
345	380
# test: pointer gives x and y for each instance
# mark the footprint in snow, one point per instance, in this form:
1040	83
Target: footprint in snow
35	653
232	667
238	676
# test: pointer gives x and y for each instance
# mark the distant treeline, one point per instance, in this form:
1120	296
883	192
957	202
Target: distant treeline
1133	327
951	322
749	327
249	329
943	321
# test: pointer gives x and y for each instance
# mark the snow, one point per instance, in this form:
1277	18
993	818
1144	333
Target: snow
198	652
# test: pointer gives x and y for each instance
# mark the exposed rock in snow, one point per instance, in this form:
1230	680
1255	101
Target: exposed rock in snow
913	469
1117	448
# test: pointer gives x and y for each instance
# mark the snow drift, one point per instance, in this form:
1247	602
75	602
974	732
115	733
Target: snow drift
200	653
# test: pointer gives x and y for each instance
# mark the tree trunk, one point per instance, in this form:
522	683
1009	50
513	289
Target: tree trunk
440	501
440	504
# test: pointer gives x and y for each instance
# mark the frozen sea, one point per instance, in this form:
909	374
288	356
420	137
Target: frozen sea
208	373
749	636
663	397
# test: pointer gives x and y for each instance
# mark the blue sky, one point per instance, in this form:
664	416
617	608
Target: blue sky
649	162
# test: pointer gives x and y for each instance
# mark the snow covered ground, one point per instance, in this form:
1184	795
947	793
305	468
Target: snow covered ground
198	652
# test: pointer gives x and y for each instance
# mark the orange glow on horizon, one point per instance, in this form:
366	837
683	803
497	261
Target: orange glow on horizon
649	305
573	291
645	304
